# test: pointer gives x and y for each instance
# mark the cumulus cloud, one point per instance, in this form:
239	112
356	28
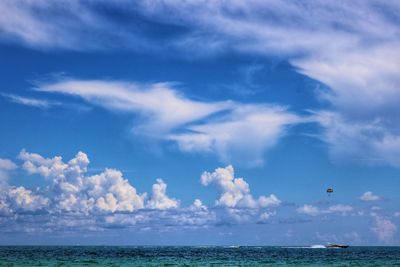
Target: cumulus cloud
343	209
234	131
74	191
17	198
235	192
308	210
7	165
334	209
159	198
25	199
72	200
369	196
266	216
384	228
109	191
198	205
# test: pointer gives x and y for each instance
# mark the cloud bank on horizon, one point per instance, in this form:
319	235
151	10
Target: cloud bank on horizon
72	200
110	198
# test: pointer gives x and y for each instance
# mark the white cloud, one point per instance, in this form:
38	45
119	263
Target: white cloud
384	228
64	26
28	101
369	196
159	199
364	83
163	106
235	192
257	26
191	218
109	191
239	133
308	210
46	167
7	165
270	201
363	141
67	179
73	191
339	208
198	205
334	209
25	199
265	216
75	200
243	136
360	66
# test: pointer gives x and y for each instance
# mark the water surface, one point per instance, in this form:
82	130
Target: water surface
197	256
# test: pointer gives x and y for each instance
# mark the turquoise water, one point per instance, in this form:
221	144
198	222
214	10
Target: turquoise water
197	256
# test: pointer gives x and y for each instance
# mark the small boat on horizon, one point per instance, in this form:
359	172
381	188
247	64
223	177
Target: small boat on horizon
330	245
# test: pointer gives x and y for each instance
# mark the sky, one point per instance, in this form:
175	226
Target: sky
199	122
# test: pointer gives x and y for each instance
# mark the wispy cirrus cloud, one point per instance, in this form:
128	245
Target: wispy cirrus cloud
372	141
71	25
29	101
236	132
163	107
248	130
351	47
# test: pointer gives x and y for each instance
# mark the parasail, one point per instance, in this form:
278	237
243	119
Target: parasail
329	190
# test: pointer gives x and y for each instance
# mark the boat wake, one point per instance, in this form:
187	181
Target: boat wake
317	246
313	246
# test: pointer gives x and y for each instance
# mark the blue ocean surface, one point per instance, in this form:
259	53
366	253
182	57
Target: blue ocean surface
196	256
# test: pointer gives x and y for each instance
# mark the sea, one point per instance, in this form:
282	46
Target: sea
197	256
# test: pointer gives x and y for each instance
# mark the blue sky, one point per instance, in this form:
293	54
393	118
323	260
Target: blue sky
199	123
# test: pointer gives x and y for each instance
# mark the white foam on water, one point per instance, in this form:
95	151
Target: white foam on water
313	246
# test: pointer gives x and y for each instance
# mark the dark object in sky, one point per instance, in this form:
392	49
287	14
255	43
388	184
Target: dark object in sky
329	190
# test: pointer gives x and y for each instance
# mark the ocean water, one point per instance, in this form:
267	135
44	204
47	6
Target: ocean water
197	256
